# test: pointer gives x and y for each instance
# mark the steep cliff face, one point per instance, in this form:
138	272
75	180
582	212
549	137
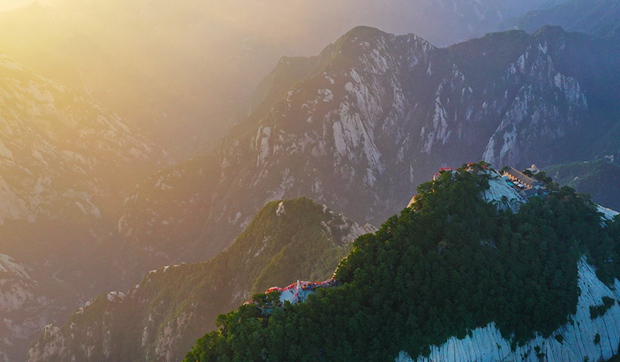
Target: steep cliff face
584	338
161	317
361	125
545	109
59	151
456	276
65	164
22	308
339	129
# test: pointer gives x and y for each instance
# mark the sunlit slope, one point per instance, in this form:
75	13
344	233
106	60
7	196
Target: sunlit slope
61	154
65	163
183	70
54	142
22	308
160	318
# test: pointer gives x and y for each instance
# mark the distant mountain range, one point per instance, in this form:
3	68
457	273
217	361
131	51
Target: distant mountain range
600	179
171	306
65	163
161	317
361	125
90	200
597	17
183	71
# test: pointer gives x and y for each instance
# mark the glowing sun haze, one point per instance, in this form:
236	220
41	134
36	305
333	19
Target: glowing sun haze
182	70
12	4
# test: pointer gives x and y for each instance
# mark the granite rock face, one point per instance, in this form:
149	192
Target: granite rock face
161	317
362	124
65	163
576	341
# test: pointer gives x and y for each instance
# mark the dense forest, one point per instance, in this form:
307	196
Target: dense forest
449	263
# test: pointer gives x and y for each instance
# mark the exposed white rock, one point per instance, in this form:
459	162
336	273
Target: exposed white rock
532	118
280	211
8	265
327	95
498	190
113	296
5	152
608	214
263	144
486	344
12	207
357	230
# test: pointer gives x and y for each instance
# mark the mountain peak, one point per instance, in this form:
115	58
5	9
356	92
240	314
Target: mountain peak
438	279
287	239
363	31
549	32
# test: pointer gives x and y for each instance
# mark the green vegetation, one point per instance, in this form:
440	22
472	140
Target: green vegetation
447	265
599	178
179	303
600	310
615	358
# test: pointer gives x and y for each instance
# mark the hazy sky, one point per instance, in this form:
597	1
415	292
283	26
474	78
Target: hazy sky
181	69
11	4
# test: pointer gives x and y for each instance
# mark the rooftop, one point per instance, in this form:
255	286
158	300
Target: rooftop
515	174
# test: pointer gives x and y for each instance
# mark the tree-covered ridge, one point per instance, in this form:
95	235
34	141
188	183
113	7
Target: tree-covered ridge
447	265
162	316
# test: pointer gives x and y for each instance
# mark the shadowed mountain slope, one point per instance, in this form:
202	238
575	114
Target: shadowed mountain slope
161	317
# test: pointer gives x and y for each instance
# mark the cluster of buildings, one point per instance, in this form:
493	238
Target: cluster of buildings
523	184
295	293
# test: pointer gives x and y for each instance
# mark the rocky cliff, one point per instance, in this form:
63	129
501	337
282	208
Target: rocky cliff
456	276
18	300
361	125
585	337
65	164
161	317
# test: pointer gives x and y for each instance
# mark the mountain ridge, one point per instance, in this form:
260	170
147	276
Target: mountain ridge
599	178
65	164
383	112
599	17
404	290
159	318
